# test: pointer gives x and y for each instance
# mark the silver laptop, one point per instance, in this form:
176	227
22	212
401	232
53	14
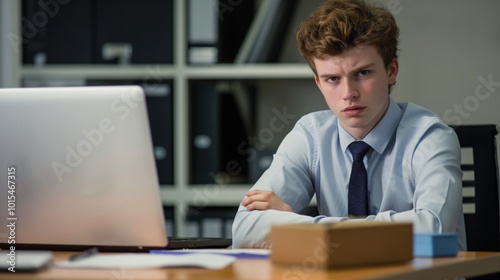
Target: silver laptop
77	170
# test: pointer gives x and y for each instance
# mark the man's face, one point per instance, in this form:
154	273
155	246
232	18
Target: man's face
355	85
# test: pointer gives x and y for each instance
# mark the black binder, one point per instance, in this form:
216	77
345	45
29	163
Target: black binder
57	33
145	25
234	22
160	111
217	129
205	132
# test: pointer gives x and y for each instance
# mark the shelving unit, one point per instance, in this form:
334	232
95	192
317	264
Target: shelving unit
181	195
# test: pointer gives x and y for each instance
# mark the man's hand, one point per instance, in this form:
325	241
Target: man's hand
264	200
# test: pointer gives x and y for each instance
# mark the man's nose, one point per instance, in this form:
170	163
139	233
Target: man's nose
350	90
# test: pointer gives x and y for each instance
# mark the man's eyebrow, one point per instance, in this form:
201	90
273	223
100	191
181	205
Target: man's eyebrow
363	67
327	75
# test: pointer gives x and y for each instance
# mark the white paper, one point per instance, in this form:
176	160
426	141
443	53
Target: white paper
24	260
142	260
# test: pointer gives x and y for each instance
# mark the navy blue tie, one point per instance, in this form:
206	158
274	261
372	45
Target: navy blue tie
358	183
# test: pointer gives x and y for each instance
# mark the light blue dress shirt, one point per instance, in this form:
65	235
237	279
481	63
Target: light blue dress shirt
413	168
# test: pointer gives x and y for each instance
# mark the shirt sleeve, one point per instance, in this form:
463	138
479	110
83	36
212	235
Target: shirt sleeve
437	174
290	178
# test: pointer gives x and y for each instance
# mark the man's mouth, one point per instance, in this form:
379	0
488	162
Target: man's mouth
353	110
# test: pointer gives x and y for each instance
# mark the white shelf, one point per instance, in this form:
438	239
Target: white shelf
205	195
251	71
104	71
167	71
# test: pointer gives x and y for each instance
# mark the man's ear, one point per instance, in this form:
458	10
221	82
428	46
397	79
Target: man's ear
392	71
316	79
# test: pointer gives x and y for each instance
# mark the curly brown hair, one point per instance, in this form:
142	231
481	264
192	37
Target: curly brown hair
340	25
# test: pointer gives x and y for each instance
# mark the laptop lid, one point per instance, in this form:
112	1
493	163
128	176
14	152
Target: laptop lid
77	169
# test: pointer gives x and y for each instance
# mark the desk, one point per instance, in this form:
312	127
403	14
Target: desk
464	265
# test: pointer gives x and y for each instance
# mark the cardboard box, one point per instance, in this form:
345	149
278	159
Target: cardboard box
435	245
341	244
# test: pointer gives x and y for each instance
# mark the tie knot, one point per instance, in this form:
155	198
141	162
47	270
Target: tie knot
358	150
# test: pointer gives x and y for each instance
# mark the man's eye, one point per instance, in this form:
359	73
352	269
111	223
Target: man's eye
363	72
332	79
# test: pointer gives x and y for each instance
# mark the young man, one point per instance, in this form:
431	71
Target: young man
409	169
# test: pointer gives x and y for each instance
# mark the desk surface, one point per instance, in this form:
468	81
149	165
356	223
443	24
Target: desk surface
464	265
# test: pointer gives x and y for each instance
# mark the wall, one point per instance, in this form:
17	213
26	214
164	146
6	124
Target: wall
448	49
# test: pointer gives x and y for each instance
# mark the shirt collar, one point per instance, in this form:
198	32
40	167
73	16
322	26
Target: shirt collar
381	134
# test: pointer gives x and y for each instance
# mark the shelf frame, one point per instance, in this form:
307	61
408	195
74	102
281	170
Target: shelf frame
181	194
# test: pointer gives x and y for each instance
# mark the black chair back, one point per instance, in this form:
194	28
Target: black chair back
481	193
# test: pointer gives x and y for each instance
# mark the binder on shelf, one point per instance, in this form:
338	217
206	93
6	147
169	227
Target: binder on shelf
235	18
265	37
210	221
217	129
147	26
56	33
159	103
168	213
85	32
205	132
202	31
216	29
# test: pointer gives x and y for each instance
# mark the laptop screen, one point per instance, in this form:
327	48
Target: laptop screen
77	168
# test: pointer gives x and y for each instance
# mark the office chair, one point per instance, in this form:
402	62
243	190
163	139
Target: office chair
481	190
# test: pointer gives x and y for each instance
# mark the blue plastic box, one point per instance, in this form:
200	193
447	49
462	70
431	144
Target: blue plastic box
435	245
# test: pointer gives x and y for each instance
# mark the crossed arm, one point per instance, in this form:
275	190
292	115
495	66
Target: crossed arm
264	200
426	193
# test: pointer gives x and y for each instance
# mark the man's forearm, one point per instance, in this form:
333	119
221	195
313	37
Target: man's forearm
251	228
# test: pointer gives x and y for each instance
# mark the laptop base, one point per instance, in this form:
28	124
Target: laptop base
173	244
